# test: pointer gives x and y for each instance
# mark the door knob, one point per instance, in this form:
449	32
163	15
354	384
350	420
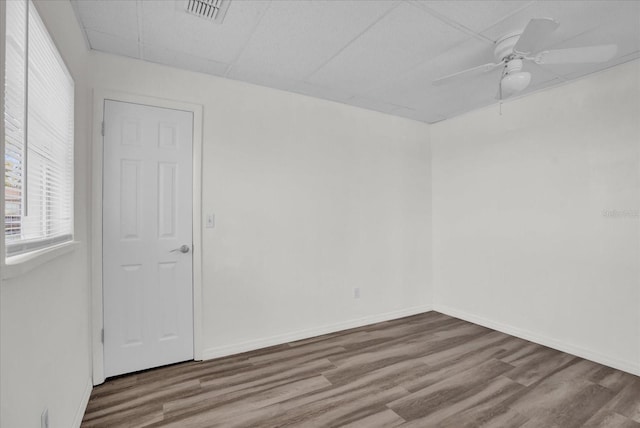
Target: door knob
182	249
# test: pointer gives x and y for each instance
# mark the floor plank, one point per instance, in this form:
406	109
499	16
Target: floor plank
429	370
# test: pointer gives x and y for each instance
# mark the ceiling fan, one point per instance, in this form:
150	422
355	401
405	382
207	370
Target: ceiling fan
515	48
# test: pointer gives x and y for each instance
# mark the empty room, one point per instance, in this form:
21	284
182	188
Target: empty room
320	213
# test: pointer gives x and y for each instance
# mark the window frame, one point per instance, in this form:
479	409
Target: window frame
18	264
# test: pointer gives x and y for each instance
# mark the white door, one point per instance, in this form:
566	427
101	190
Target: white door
147	237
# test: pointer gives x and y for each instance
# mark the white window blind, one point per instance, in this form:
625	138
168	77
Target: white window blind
39	112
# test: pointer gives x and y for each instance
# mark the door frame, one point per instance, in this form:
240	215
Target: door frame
99	97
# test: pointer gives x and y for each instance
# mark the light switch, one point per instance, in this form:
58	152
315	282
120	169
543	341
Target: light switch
211	221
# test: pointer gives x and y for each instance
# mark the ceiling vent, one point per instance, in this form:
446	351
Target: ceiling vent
213	10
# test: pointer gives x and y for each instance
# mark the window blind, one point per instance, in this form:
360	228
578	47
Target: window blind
39	108
14	115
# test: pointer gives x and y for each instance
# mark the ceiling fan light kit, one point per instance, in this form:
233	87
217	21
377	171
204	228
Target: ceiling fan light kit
514	48
515	82
514	79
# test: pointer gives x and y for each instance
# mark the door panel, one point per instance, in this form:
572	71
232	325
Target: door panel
167	204
129	199
147	215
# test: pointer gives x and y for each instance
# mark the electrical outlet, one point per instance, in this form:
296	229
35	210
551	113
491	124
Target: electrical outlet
356	293
44	419
211	221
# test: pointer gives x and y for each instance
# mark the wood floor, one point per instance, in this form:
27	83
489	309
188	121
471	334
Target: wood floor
428	370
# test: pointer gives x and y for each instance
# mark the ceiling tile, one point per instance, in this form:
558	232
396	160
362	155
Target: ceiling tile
474	15
264	79
116	17
575	71
112	44
404	38
182	60
408	89
332	94
166	23
295	38
422	116
373	104
159	55
461	96
201	65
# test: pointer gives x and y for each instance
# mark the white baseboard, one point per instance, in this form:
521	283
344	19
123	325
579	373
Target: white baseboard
251	345
587	354
77	420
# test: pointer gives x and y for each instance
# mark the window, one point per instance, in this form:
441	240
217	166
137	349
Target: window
38	117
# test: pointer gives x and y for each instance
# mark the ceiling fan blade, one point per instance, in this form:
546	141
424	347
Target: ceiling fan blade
535	34
598	53
464	74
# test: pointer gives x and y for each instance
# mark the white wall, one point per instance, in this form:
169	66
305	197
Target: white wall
45	353
312	198
521	242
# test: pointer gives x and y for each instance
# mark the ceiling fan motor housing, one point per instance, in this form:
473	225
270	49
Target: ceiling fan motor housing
504	46
513	65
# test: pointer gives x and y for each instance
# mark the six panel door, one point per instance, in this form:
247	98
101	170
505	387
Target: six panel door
147	237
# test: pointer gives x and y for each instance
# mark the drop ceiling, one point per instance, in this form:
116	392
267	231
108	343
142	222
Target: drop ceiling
375	54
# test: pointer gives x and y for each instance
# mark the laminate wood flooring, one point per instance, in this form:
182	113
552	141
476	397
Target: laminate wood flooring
428	370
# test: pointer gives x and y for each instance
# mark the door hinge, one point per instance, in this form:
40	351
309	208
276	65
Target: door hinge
102	130
102	335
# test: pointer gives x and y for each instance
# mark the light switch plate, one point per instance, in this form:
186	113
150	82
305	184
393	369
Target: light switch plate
211	221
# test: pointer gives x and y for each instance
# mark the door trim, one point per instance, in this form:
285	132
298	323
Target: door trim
99	97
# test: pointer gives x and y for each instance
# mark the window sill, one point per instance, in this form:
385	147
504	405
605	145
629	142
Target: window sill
19	265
